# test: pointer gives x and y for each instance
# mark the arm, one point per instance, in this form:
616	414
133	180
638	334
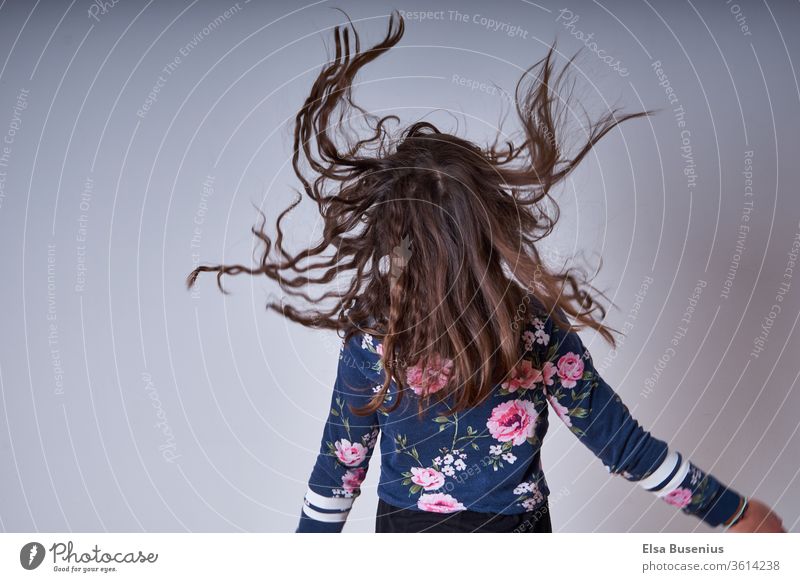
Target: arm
346	448
602	422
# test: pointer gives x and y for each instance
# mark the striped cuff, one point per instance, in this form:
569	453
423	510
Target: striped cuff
683	485
663	476
323	514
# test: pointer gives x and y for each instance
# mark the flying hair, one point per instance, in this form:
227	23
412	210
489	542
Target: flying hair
433	237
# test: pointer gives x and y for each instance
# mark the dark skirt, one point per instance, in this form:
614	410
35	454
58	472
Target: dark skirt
391	519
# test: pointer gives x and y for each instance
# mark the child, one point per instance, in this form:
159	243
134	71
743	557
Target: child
457	338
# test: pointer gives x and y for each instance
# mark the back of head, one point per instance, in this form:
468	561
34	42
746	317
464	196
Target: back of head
436	234
443	228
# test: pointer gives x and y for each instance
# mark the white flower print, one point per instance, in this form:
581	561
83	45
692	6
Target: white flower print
522	488
341	493
371	438
536	497
510	457
448	459
529	338
460	465
448	470
437	461
366	342
495	450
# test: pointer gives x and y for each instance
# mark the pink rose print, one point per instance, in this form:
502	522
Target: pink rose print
353	478
570	369
679	497
428	479
433	378
350	454
561	411
548	371
439	503
512	421
524	376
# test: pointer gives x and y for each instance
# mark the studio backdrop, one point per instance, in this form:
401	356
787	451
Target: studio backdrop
140	139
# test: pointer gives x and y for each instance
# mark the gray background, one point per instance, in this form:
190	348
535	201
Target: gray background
129	404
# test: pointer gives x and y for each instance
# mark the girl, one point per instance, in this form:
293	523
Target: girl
456	334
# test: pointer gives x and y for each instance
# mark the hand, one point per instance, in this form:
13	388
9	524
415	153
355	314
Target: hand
758	518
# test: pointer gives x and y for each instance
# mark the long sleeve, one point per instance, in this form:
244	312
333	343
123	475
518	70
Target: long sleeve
347	443
597	416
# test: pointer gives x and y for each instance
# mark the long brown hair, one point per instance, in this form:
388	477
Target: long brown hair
458	224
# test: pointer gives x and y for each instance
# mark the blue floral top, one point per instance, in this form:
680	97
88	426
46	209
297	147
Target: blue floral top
487	459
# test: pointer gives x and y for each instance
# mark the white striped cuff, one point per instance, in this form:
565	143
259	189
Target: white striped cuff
665	469
322	502
327	517
676	480
327	509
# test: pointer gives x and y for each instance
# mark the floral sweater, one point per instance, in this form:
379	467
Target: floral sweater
487	459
